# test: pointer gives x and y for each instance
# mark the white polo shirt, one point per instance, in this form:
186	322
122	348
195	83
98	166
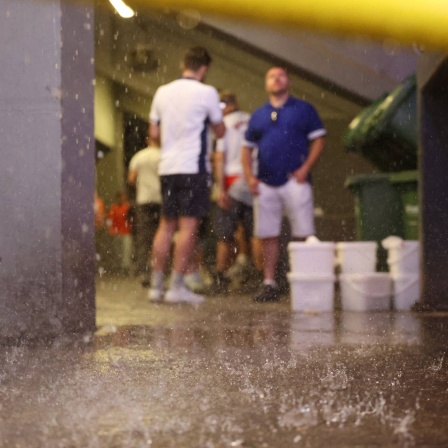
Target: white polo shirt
146	164
184	109
236	125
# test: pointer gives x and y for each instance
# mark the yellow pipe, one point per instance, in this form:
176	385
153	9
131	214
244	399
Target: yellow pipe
406	21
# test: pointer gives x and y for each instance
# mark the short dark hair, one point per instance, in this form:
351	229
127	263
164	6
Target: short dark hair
197	57
228	97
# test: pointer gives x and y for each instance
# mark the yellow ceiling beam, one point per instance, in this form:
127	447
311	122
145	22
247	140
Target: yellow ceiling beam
424	22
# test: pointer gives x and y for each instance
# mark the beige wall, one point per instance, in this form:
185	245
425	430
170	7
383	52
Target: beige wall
108	131
104	111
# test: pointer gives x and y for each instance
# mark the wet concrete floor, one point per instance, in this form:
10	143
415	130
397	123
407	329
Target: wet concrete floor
230	373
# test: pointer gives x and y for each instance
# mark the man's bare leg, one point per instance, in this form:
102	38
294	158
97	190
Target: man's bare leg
185	243
162	244
257	253
183	251
269	291
224	256
271	250
160	254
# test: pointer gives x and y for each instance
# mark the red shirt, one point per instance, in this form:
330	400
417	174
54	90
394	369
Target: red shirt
117	220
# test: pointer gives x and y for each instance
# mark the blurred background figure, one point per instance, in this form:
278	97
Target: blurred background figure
247	270
230	213
99	210
119	228
101	246
143	174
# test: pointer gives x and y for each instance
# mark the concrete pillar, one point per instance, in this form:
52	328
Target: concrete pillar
433	97
47	168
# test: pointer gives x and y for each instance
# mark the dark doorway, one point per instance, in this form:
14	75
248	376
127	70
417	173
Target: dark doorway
134	139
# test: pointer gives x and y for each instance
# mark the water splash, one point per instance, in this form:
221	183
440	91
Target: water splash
437	364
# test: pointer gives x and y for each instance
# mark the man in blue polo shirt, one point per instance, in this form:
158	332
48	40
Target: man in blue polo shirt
290	138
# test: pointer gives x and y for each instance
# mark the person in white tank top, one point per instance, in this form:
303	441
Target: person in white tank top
227	169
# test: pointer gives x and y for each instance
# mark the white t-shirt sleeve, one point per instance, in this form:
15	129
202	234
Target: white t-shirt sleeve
214	111
316	134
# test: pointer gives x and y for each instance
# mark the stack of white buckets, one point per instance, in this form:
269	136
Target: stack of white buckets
362	289
312	277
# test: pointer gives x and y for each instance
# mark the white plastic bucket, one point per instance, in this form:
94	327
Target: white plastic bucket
404	259
357	257
311	292
406	291
366	292
311	258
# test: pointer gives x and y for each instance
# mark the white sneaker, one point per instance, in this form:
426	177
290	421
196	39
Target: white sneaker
155	294
182	295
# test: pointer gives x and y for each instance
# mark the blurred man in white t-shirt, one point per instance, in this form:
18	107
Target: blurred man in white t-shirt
144	175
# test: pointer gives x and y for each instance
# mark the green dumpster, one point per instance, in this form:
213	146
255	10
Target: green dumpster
406	183
386	131
385	204
355	136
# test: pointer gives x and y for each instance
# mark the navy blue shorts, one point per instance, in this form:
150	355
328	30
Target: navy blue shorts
185	195
226	221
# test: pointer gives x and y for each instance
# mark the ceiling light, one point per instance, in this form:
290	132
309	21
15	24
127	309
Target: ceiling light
124	10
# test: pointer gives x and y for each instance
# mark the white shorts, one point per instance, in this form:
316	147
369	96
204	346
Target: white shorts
294	199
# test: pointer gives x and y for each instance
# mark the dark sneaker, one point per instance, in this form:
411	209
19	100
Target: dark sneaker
267	293
250	284
144	280
220	286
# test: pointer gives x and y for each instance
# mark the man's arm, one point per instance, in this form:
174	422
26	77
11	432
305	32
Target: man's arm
246	161
223	199
219	129
219	169
154	133
132	177
316	148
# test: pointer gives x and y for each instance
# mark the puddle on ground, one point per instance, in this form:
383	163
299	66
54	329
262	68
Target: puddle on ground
233	376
